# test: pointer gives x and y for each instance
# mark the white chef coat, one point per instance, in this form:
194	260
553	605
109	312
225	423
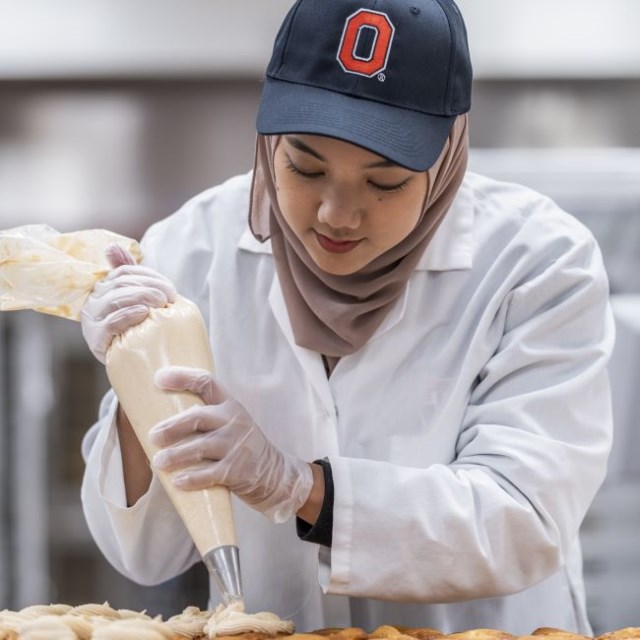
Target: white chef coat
467	438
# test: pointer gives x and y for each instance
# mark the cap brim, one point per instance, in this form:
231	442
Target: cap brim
406	137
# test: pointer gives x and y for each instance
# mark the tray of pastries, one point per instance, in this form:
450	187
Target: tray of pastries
102	622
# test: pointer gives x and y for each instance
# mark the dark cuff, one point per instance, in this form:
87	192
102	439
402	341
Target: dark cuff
321	532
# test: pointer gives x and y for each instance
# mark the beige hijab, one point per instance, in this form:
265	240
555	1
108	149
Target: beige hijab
335	315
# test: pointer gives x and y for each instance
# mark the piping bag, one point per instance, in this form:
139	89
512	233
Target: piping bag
53	273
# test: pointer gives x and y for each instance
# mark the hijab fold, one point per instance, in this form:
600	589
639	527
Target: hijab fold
335	315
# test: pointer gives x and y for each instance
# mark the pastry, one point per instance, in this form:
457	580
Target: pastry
102	622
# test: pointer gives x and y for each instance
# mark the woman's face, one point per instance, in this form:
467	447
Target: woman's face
345	204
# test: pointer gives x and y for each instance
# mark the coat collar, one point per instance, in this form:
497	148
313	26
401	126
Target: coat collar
451	247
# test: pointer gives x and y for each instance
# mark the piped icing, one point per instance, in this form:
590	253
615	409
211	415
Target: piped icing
232	620
102	622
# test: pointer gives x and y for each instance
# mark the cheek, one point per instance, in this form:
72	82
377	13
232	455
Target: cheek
409	221
292	204
297	200
398	222
285	191
415	203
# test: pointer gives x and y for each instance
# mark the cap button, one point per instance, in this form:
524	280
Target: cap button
415	10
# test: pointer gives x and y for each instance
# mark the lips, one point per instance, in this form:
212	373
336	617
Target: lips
336	246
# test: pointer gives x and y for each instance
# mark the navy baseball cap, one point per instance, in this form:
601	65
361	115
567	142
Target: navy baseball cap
387	75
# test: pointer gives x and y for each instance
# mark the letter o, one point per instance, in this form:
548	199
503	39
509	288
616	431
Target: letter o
379	54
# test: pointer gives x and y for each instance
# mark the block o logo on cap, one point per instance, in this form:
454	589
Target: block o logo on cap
366	42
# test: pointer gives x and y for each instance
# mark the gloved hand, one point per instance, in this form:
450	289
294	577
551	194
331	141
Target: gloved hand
220	444
121	300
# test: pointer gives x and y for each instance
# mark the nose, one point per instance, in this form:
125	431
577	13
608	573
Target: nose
340	209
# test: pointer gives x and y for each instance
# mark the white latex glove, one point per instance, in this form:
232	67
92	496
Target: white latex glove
121	300
220	444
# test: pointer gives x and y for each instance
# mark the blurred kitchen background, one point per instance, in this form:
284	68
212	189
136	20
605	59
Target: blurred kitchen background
113	113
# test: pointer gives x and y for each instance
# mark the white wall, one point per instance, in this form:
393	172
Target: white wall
79	38
554	38
123	38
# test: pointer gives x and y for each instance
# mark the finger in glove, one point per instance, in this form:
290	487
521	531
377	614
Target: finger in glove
220	444
198	381
200	418
109	297
117	255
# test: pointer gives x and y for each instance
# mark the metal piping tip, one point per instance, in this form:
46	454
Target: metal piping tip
223	564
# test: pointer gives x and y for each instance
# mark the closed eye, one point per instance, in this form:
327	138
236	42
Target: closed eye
390	187
292	167
311	175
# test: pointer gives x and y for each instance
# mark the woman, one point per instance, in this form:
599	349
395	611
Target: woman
410	359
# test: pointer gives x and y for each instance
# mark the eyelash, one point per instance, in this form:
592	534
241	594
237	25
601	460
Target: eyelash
292	167
380	187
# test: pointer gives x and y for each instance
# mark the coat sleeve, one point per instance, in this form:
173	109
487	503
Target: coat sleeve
146	542
530	456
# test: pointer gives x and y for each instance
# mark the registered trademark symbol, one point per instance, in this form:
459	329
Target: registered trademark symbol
381	77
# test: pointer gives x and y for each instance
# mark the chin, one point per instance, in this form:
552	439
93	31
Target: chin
337	266
339	272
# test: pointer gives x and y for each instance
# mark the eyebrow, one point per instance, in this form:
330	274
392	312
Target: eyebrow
296	143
